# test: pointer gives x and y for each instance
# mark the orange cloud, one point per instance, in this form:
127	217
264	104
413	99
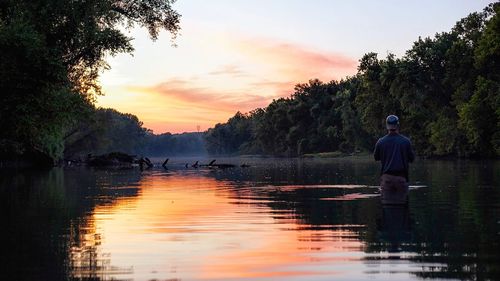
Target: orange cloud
206	98
179	106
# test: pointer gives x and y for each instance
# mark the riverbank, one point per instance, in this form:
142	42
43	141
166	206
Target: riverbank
335	154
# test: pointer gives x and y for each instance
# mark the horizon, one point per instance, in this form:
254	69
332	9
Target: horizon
243	61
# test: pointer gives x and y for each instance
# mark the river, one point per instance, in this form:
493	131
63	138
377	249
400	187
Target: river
279	219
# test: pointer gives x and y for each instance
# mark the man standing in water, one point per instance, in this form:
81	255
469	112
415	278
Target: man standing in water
395	152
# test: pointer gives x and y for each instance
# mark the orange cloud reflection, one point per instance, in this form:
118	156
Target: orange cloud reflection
188	227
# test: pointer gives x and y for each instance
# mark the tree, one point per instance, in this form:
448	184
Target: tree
487	61
106	131
51	53
230	137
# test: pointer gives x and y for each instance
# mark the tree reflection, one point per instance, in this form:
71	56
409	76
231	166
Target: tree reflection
46	232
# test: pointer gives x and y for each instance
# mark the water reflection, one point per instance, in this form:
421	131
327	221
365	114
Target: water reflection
288	220
45	220
394	228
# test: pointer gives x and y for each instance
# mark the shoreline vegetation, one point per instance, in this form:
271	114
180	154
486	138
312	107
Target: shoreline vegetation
336	154
445	89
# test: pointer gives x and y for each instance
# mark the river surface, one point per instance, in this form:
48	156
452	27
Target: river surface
279	219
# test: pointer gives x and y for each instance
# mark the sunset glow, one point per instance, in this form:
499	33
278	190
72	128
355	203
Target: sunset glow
248	74
194	226
240	55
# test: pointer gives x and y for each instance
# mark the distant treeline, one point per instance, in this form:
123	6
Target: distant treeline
108	130
446	91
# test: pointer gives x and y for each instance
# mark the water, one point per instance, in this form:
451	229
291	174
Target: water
280	219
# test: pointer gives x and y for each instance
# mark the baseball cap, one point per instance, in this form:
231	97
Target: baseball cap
392	122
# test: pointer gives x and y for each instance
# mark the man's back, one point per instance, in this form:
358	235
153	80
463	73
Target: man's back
395	153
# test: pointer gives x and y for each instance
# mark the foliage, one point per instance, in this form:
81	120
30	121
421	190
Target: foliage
105	131
229	137
51	53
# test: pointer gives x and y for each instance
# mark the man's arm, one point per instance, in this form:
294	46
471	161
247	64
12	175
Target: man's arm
376	153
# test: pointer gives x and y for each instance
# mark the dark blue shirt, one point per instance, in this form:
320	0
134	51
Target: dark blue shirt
395	153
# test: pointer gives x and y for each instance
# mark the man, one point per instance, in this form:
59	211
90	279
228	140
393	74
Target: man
395	152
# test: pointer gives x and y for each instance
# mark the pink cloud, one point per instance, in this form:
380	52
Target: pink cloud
228	69
279	89
296	62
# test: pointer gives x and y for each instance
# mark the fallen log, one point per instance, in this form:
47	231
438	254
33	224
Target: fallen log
111	159
223	166
164	165
209	164
145	161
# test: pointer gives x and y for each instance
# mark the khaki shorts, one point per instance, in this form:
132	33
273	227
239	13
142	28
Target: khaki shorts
393	189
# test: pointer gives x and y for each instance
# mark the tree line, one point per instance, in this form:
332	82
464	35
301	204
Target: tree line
107	130
445	89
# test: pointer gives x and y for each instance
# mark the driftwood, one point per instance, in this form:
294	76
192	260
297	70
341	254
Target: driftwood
223	166
220	166
111	159
118	159
126	160
164	165
208	165
145	161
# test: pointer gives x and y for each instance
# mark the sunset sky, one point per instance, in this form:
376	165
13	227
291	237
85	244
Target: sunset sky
238	55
